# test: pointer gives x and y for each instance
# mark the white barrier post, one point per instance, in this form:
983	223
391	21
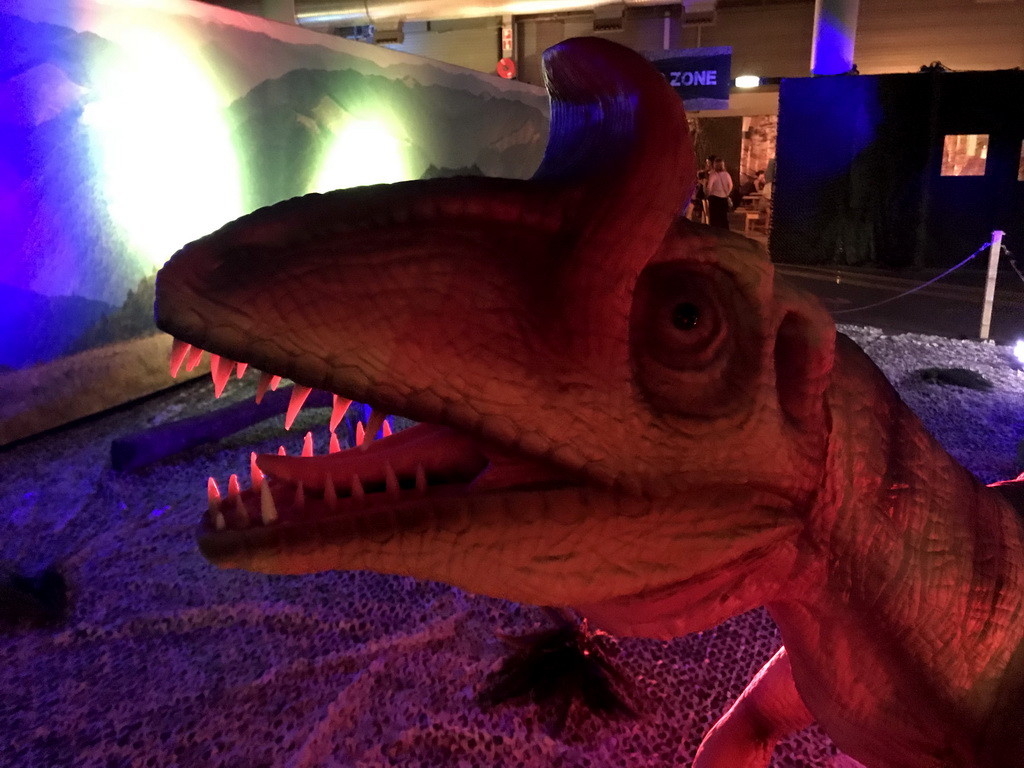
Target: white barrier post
990	283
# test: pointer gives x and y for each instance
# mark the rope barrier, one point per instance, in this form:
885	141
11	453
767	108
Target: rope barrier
917	288
1013	263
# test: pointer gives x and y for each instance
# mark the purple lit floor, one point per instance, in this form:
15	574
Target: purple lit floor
167	661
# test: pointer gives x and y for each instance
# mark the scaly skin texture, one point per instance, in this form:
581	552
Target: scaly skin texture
632	418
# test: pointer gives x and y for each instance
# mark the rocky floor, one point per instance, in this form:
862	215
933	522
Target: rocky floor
167	661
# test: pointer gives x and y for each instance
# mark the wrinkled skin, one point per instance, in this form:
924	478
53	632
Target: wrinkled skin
626	414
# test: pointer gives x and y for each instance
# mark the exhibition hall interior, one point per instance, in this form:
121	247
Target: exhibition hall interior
516	383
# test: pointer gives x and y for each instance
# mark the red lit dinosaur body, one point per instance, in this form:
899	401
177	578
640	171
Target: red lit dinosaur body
623	413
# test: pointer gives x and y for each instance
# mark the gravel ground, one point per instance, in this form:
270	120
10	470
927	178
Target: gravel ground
981	429
166	661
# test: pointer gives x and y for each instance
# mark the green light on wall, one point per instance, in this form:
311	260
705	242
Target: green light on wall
161	149
363	152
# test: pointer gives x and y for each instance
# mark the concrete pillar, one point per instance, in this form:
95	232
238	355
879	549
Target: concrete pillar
835	30
278	10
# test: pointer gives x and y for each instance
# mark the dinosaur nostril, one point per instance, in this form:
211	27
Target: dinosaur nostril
800	371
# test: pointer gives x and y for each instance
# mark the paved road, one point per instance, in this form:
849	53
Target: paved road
950	307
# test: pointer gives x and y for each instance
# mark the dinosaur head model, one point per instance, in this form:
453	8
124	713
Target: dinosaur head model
621	412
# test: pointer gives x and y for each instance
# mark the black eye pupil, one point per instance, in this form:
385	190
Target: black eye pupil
685	316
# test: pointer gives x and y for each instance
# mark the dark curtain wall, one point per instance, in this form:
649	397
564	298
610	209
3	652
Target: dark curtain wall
859	161
965	210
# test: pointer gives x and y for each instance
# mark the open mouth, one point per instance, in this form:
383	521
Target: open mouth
411	469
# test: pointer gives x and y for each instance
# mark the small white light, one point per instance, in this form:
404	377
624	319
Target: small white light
1018	350
748	81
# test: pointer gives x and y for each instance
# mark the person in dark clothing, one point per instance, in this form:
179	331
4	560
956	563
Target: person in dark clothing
697	205
718	188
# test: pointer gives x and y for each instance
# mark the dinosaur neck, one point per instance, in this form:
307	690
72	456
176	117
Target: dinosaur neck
912	569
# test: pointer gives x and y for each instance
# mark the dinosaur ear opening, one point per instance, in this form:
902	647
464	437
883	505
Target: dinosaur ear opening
804	352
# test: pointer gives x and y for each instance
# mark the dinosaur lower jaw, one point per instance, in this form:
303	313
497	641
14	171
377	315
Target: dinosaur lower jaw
390	483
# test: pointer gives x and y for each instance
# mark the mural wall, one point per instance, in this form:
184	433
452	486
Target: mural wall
129	127
760	134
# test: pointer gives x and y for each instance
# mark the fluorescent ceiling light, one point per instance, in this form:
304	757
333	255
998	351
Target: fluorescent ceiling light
748	81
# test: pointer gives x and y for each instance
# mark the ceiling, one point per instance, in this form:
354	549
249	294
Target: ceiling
352	12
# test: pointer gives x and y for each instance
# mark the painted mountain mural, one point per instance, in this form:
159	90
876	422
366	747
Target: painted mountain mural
129	128
55	233
296	122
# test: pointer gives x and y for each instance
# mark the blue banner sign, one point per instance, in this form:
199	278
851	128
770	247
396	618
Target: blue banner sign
701	76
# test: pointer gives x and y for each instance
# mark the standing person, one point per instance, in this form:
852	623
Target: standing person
718	187
698	208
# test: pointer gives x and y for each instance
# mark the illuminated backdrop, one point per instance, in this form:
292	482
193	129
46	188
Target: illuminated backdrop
129	127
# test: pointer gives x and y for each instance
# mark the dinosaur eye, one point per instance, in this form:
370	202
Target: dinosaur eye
683	336
686	316
682	318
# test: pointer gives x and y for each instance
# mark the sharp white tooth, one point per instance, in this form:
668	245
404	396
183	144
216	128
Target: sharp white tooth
307	445
233	487
261	386
338	411
299	395
214	361
195	355
212	494
220	371
421	479
255	472
335	444
357	488
300	497
268	512
281	451
274	381
179	349
240	371
330	495
218	521
390	480
360	434
385	428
